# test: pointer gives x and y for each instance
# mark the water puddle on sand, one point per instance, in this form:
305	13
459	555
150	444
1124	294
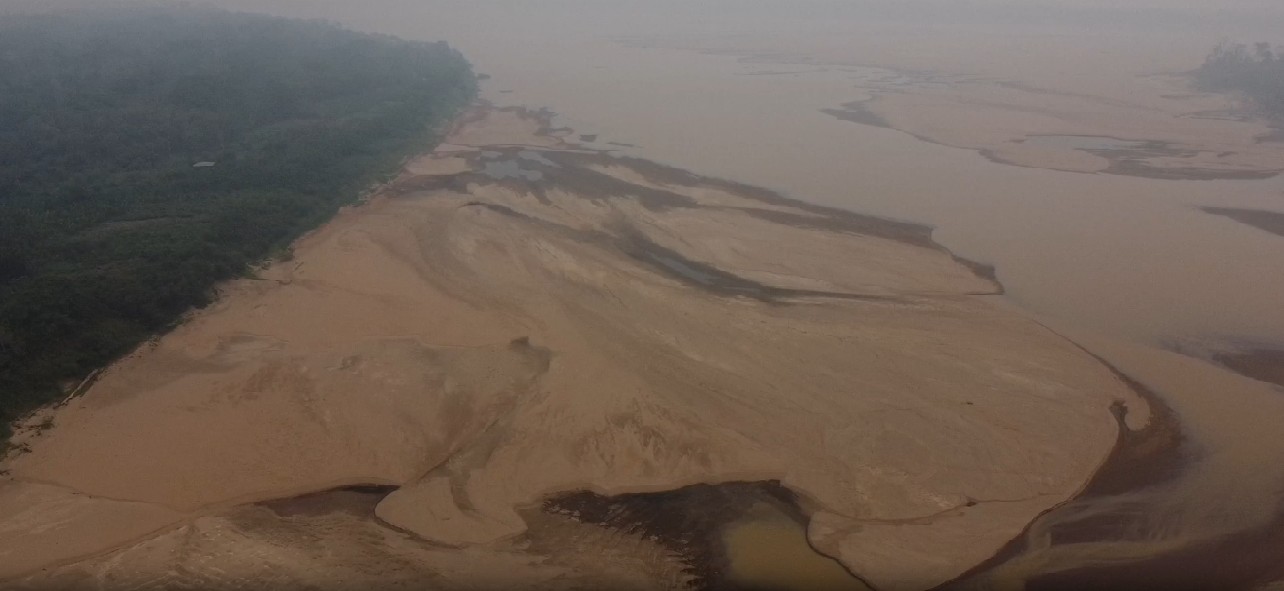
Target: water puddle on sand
733	535
769	550
683	269
359	500
509	169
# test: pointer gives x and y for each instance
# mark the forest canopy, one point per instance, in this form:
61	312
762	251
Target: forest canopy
1257	72
109	231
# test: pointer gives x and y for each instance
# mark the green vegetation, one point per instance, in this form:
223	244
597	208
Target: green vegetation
108	233
1257	72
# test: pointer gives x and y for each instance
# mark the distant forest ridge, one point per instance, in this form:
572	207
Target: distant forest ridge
1256	71
147	154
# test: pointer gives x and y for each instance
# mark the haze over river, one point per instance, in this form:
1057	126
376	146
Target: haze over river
1107	247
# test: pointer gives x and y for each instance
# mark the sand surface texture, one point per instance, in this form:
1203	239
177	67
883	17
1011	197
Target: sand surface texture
516	318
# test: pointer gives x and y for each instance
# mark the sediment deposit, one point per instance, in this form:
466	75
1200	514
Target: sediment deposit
516	319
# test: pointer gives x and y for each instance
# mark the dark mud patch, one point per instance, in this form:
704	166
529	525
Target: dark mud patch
1142	458
567	173
1239	562
1131	164
1126	157
1274	136
1129	158
1267	221
690	521
359	500
674	264
832	223
1145	457
543	171
569	170
1266	365
858	112
840	219
571	173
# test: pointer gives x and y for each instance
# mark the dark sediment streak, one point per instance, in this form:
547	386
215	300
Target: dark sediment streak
1268	221
711	278
1140	458
828	218
673	264
1274	136
571	172
1238	562
857	112
1124	162
1265	365
1144	457
821	217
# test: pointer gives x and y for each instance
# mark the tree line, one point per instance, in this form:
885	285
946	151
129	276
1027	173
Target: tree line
1256	71
109	233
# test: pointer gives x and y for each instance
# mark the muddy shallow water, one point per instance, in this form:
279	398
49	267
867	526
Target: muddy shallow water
734	535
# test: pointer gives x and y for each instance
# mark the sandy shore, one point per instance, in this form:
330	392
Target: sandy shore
1267	221
515	319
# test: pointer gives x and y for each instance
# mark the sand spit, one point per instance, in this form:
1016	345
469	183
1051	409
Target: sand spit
1145	456
1009	130
1207	527
1267	221
1266	365
553	320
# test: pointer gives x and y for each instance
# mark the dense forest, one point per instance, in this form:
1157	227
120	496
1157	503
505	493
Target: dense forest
109	231
1257	72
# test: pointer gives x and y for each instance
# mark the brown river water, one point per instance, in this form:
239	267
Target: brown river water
1129	267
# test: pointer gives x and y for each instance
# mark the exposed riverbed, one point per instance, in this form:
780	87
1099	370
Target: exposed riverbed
1073	182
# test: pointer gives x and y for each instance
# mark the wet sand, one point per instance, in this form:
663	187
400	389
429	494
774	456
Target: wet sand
1269	221
358	500
1266	365
1245	561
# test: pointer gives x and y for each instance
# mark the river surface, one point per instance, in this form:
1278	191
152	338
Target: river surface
1129	267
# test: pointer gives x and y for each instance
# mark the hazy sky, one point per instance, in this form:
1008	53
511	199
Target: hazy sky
1240	20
